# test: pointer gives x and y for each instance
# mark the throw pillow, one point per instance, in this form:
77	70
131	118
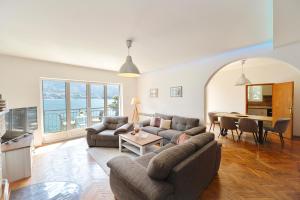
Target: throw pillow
182	138
155	121
165	124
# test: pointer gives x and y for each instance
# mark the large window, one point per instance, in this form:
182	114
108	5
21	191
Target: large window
78	103
54	100
71	104
97	102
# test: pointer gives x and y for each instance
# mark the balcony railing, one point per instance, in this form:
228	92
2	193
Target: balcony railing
55	120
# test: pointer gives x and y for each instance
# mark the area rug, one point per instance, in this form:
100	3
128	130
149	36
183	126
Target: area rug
48	191
102	155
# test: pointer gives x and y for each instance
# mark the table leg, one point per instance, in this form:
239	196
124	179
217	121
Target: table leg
142	150
261	132
161	143
120	144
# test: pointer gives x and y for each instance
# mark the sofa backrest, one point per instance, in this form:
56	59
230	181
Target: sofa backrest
112	123
163	116
161	165
193	174
184	123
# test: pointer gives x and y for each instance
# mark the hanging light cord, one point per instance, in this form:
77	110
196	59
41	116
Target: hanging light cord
128	42
243	62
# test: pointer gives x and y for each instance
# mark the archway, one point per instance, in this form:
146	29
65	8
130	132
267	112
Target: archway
221	94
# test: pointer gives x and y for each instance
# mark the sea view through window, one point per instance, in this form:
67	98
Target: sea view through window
73	104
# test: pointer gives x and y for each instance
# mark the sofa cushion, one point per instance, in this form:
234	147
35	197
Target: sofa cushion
184	123
201	140
113	123
155	121
151	129
161	165
164	148
145	159
163	116
165	124
182	138
169	134
107	132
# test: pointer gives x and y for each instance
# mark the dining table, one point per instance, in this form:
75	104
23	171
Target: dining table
260	121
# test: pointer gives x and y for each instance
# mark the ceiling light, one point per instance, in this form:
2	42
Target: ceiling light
243	80
129	69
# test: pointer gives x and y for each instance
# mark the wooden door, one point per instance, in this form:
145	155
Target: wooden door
282	104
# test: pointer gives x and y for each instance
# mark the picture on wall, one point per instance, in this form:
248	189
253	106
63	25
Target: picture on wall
176	91
154	92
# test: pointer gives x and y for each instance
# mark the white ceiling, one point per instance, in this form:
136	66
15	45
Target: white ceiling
254	62
92	33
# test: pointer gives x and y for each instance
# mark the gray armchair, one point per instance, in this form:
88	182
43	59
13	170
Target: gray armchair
105	134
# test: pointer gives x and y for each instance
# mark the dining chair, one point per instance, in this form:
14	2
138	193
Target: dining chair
236	120
213	121
228	123
280	127
249	126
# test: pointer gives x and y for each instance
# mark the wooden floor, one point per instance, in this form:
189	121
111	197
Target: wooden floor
247	171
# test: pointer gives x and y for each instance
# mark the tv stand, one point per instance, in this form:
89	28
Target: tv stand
17	158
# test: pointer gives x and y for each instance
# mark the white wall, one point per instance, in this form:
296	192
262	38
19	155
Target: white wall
286	22
193	77
222	95
20	81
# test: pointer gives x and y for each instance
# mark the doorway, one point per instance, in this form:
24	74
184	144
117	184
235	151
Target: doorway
223	96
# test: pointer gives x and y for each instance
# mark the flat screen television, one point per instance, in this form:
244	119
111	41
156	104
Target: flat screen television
19	122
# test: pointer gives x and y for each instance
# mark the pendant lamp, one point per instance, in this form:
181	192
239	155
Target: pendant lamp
129	69
243	80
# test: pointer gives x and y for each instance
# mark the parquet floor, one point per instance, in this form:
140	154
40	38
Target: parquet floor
247	171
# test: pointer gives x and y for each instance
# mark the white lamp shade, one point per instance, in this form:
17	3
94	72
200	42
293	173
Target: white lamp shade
129	69
135	101
243	80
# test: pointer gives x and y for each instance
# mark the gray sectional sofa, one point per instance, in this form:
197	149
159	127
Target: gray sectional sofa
172	172
106	134
191	126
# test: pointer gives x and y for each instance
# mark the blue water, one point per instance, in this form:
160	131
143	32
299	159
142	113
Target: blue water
55	113
60	104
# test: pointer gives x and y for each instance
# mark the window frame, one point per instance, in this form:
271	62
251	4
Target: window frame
69	132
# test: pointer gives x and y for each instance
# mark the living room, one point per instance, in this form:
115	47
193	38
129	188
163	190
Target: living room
89	87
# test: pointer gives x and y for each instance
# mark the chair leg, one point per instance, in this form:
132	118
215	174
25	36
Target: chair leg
239	139
281	139
220	132
210	127
265	136
232	135
255	137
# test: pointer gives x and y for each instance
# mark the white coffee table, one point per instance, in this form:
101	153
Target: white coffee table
138	144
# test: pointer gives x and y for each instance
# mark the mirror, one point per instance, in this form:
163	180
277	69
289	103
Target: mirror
259	99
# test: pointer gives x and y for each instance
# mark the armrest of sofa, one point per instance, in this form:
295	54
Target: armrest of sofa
196	130
144	123
96	128
133	176
123	129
